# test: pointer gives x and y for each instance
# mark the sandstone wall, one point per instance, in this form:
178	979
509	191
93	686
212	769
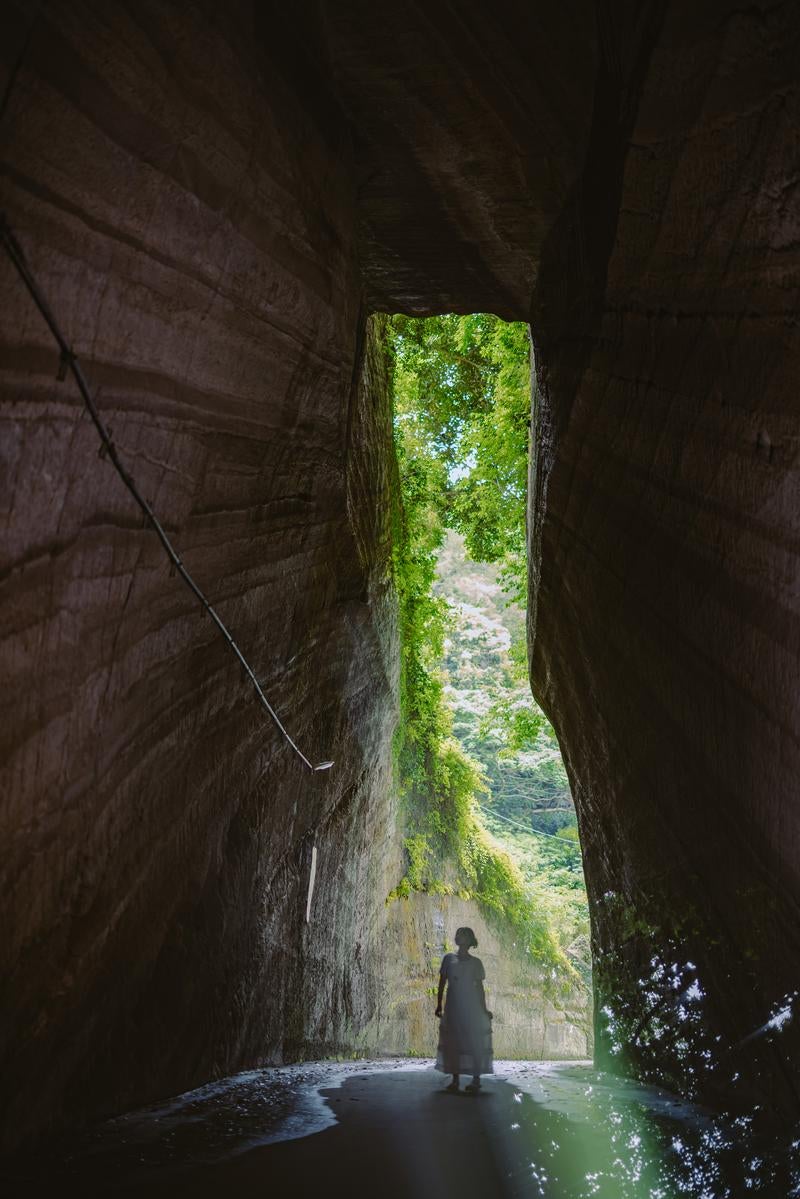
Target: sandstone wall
665	516
190	217
529	1021
470	129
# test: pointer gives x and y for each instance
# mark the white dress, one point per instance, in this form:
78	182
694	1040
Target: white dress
465	1030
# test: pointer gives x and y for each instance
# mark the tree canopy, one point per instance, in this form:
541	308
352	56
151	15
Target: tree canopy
468	723
462	397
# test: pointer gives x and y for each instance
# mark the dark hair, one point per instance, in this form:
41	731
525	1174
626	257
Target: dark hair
472	938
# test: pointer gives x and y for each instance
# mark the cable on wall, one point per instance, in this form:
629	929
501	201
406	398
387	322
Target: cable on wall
69	362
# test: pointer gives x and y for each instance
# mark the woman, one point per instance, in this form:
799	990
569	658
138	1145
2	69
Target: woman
465	1032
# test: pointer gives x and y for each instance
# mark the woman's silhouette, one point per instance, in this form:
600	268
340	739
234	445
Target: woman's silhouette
465	1032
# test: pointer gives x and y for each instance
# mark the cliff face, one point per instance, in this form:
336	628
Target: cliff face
470	130
190	218
212	198
664	499
664	628
531	1021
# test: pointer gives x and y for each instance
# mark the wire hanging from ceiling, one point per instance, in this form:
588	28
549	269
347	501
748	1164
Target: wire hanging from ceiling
69	362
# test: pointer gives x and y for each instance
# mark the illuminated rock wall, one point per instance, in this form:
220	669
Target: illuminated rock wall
532	1020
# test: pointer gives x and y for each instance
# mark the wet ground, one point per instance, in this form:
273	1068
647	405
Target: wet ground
388	1129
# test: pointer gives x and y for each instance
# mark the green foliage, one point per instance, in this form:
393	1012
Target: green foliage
517	725
462	394
500	888
552	876
494	715
458	383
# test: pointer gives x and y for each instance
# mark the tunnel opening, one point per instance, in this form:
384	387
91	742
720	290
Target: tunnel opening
486	807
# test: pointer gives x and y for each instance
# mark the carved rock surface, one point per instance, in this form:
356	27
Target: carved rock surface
469	131
191	221
529	1022
213	198
665	623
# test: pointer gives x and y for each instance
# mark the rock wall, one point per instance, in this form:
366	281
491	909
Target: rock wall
530	1021
212	198
664	535
661	244
470	129
190	216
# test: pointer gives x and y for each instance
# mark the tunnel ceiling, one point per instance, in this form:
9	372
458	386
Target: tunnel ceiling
470	125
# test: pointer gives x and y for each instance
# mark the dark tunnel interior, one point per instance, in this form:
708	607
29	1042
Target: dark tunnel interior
216	201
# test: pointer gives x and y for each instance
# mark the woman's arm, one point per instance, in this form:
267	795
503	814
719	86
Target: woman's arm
442	981
440	996
482	995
